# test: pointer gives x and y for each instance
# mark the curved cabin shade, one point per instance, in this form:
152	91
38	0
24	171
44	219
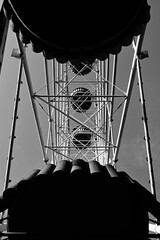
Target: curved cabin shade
78	32
86	201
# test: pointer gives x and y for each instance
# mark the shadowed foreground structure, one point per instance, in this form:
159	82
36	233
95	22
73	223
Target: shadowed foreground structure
79	200
64	34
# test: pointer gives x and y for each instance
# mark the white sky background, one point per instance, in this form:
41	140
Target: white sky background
132	155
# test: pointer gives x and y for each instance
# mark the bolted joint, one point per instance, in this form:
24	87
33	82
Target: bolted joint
50	120
46	160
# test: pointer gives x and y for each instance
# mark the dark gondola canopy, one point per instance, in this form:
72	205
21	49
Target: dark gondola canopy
79	200
77	33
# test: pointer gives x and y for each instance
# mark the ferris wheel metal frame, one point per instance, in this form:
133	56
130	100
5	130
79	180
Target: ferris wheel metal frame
64	121
58	101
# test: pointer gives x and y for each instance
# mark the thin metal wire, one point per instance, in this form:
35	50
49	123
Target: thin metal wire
13	127
146	131
31	94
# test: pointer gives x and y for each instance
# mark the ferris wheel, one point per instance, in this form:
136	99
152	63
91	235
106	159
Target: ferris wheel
83	105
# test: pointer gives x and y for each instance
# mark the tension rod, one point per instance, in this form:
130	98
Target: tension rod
146	130
31	95
13	128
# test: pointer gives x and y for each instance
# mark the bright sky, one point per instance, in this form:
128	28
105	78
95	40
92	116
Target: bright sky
132	155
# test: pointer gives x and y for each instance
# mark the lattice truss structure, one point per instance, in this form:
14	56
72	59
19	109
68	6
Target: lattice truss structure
83	104
85	109
80	109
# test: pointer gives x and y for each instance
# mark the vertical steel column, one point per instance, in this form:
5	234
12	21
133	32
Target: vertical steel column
54	113
68	127
61	85
63	127
31	94
146	130
50	128
13	128
100	108
96	115
107	108
114	74
104	123
128	94
58	106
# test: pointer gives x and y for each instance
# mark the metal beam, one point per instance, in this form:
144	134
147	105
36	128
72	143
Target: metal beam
146	130
31	94
137	49
110	110
13	128
50	128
